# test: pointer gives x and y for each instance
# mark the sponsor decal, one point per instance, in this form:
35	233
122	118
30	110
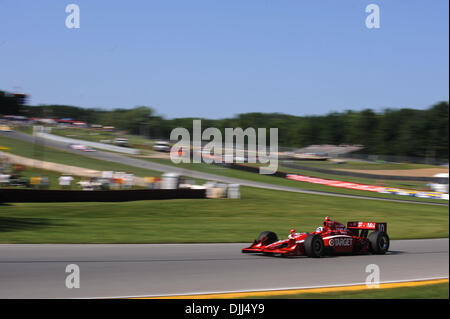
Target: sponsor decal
367	225
340	242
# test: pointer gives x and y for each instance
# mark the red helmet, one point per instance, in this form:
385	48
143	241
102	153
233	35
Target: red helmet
292	231
327	218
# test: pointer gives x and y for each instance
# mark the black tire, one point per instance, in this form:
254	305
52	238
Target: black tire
268	237
379	242
314	246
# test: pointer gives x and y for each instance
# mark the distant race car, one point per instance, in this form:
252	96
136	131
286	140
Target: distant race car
81	147
329	239
161	146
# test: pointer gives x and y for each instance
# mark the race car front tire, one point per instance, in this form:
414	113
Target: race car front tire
268	237
379	242
314	246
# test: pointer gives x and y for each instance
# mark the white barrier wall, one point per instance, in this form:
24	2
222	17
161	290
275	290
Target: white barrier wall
102	146
370	188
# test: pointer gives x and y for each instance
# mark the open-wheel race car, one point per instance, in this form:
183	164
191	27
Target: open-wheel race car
329	239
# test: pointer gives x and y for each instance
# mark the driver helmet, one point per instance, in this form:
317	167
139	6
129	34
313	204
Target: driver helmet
292	231
319	229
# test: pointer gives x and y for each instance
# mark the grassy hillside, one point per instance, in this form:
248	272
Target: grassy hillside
51	154
208	220
220	170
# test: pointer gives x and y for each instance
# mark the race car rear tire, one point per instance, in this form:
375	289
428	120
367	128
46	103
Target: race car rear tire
379	242
268	237
314	246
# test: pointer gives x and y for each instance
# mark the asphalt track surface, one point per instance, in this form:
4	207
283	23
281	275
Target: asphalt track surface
118	158
39	271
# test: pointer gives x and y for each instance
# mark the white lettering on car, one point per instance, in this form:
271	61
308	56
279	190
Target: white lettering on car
340	242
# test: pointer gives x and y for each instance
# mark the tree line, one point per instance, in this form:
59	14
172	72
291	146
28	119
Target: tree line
403	132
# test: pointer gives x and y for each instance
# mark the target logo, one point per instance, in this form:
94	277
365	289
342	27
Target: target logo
340	242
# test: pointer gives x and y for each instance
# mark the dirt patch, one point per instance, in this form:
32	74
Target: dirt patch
419	172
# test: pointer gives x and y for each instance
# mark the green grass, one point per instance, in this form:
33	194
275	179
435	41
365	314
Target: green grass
432	291
220	170
58	156
50	154
27	129
208	220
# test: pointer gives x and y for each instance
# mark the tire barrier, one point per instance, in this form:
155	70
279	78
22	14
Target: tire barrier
11	195
251	169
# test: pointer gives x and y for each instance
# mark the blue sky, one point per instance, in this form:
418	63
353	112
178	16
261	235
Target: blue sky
218	58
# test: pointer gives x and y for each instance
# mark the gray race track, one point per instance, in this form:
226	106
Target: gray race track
38	271
117	158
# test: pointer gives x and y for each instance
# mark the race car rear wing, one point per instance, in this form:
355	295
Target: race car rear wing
382	227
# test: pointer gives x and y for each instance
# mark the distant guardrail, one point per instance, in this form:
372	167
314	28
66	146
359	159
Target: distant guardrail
17	195
102	146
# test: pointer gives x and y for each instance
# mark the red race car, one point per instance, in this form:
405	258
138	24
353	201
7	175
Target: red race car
332	238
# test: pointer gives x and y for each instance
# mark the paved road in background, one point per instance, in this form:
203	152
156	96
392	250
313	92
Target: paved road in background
38	271
117	158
